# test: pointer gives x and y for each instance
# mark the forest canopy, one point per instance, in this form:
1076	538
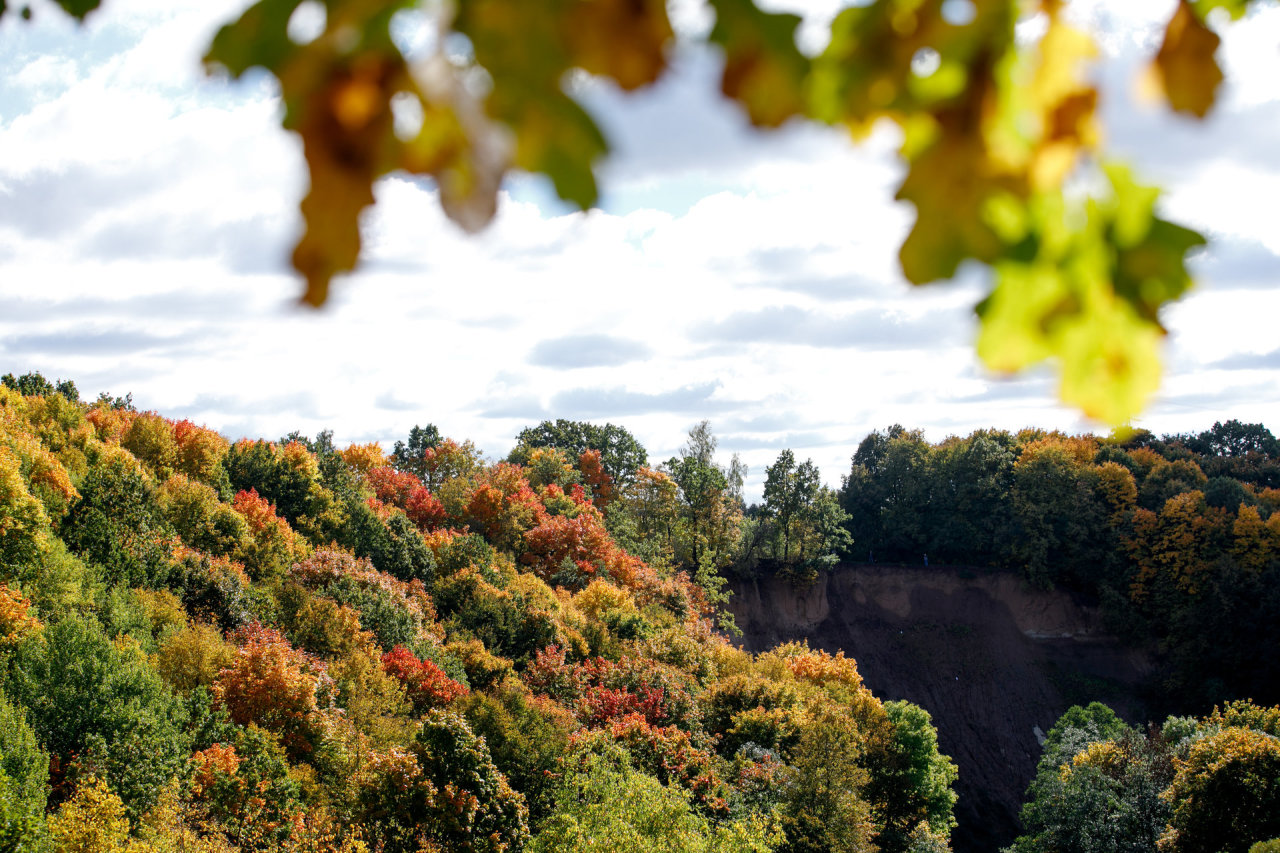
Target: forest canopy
291	645
294	646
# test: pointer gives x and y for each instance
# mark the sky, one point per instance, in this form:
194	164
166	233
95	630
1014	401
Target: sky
748	278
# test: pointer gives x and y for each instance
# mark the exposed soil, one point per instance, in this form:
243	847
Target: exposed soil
991	659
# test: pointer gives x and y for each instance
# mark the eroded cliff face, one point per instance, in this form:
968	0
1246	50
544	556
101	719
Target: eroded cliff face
995	662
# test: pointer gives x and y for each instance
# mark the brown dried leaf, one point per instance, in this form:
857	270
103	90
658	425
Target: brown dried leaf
1186	66
622	39
344	125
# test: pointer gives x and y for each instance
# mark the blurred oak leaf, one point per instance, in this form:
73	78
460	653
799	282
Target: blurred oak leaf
1088	294
1186	66
625	40
764	70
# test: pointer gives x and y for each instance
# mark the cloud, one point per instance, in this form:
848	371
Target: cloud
1242	401
803	270
677	126
1248	361
171	306
619	402
769	421
1237	264
255	244
299	405
871	329
523	407
54	204
389	401
104	342
803	439
588	351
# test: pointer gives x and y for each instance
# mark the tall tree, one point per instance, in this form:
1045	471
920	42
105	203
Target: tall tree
621	453
411	455
790	493
710	514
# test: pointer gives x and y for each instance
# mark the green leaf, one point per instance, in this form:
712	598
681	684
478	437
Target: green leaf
868	69
950	183
1090	297
556	137
78	8
764	70
1235	8
259	37
524	49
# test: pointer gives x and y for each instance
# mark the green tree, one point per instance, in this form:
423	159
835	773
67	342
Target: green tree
824	808
886	494
446	793
970	520
1059	527
910	781
1233	439
1226	795
118	524
603	804
24	782
620	452
710	515
410	456
34	384
790	492
102	705
1105	798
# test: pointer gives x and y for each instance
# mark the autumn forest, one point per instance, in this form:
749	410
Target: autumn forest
291	645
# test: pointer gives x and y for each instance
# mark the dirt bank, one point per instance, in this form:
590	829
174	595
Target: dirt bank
991	659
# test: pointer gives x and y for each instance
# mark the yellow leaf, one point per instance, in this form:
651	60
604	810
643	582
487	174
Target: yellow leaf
950	183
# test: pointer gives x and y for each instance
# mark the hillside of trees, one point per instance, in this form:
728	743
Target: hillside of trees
290	646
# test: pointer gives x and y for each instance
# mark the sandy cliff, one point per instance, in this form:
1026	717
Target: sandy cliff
991	659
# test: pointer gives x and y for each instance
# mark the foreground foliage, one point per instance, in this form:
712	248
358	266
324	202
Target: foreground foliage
994	121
